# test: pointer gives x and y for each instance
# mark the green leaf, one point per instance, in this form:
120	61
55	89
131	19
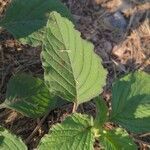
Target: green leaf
102	111
131	102
26	19
9	141
72	69
117	139
29	96
75	133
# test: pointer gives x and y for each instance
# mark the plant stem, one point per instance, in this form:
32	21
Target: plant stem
2	106
75	106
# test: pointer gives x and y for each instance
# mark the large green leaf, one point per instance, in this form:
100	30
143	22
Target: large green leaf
72	69
75	133
117	139
29	96
26	19
131	102
9	141
102	112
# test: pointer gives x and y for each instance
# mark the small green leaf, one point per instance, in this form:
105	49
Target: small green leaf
29	96
26	19
101	115
117	139
9	141
131	102
71	68
75	133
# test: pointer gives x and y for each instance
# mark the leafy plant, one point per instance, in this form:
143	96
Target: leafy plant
30	96
64	135
72	72
9	141
26	20
130	107
74	133
71	69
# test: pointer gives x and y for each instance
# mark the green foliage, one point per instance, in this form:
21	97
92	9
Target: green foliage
71	68
102	112
131	102
117	139
26	19
75	133
29	96
73	72
9	141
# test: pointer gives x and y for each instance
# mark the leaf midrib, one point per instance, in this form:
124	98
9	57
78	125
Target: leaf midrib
75	100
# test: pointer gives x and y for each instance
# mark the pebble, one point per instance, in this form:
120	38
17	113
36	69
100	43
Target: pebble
117	20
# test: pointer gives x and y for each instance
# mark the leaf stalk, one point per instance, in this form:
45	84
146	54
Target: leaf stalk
75	106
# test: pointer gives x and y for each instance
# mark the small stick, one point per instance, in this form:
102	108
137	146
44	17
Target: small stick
36	129
140	141
143	135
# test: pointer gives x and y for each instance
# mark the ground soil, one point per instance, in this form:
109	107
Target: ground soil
122	49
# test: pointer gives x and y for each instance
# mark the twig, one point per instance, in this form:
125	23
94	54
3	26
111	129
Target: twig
142	142
146	134
36	129
130	24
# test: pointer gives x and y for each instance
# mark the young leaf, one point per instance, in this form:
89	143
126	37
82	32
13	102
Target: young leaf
131	102
101	115
72	69
75	133
29	96
9	141
117	139
26	19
